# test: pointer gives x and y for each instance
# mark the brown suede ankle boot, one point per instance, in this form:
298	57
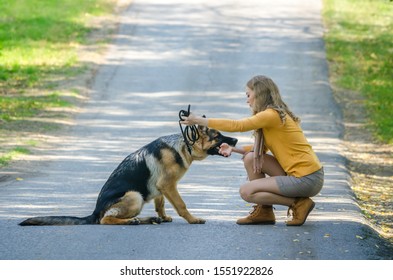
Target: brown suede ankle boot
261	215
300	210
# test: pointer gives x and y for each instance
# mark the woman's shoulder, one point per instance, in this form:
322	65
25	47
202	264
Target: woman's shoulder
269	115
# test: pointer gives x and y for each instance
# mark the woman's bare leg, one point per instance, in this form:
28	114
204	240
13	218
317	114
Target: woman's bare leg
261	190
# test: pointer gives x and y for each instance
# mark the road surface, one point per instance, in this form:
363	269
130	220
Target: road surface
166	55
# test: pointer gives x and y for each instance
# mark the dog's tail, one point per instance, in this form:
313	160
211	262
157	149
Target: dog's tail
59	220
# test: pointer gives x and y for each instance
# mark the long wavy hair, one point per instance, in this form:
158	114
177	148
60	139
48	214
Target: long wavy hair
267	95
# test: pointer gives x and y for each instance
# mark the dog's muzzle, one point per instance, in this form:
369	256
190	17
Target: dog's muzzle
224	139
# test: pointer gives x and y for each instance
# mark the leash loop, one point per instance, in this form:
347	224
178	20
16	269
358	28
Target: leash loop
190	132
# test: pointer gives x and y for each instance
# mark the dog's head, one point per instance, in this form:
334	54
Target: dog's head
209	142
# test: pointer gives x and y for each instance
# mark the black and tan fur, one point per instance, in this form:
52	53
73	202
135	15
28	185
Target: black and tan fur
151	172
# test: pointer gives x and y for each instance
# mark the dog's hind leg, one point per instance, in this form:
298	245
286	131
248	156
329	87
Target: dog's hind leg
159	203
111	220
125	211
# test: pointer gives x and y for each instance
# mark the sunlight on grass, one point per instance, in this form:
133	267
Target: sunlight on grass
4	159
38	42
39	38
359	43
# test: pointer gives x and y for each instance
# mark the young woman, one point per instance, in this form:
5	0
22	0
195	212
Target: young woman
294	171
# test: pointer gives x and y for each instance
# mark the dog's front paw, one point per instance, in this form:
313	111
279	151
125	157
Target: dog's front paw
166	219
197	221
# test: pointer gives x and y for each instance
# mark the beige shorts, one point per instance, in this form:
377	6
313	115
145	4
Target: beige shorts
306	186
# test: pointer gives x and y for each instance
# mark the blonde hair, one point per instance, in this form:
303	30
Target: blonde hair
267	95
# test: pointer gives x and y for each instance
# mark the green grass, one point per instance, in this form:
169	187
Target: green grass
39	40
38	43
359	45
17	107
4	159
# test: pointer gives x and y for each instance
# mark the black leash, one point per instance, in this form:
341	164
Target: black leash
190	132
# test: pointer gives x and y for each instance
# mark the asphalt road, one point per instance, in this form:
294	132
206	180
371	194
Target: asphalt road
169	54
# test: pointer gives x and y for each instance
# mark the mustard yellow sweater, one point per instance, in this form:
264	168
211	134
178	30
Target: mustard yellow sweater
286	141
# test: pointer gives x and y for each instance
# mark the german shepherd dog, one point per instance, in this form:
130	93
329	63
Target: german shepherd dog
152	172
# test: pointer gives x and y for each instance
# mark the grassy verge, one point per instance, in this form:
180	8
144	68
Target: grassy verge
359	45
39	43
39	40
13	153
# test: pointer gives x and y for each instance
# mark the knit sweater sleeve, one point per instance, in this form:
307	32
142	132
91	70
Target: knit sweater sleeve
267	118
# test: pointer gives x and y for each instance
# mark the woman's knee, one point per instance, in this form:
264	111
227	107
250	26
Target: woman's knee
248	160
245	192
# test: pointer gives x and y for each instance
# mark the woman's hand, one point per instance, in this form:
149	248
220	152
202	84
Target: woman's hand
225	150
192	120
